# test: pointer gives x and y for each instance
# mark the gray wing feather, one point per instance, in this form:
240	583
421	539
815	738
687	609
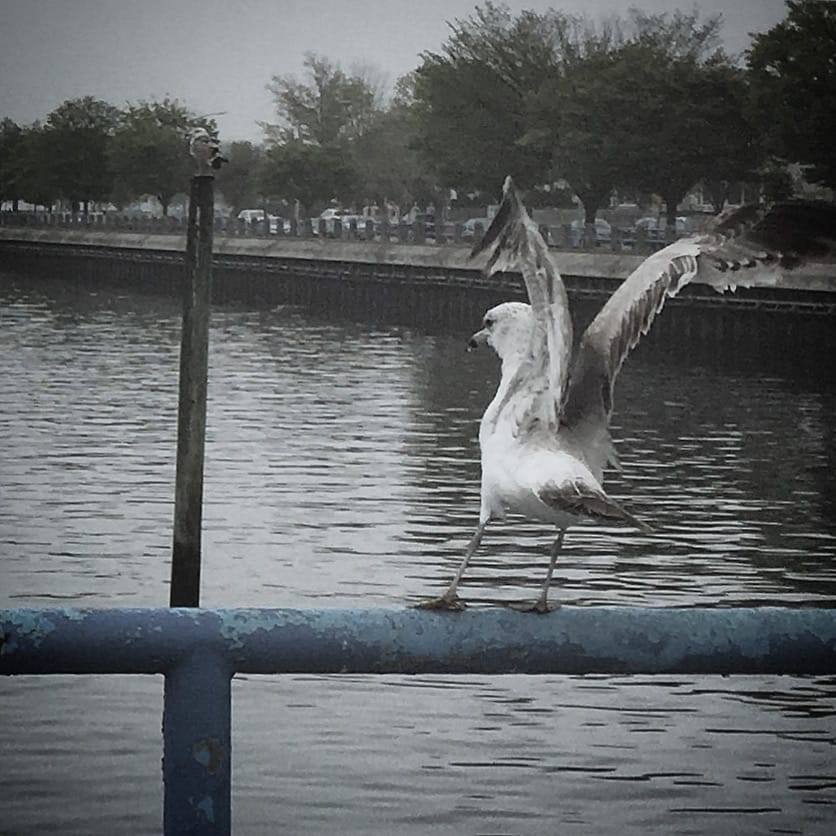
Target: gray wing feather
750	246
513	241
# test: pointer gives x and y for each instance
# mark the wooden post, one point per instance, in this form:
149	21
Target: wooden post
191	421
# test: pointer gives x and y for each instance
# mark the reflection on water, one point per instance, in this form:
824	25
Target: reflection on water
342	470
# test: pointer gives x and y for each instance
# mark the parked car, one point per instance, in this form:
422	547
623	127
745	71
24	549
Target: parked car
652	230
425	218
653	224
338	222
603	232
359	222
256	216
333	221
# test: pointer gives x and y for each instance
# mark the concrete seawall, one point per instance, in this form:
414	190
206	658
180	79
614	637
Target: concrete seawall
819	277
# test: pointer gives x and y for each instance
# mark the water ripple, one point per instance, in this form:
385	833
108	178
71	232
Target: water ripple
342	469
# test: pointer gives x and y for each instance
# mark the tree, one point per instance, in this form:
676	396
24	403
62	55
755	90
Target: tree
776	181
689	124
34	178
652	105
149	151
310	154
629	103
25	172
471	98
581	118
11	139
792	73
688	113
327	107
388	166
730	145
240	180
76	136
311	174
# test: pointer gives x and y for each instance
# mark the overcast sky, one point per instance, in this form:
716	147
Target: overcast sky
219	55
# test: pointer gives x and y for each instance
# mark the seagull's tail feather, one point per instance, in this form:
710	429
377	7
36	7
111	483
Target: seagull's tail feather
582	500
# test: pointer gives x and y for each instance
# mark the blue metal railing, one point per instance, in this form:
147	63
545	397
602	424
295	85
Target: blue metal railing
198	651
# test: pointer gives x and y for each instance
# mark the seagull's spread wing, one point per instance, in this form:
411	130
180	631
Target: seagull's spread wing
749	247
514	242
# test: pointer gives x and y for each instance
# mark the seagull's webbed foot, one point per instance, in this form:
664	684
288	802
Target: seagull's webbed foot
451	603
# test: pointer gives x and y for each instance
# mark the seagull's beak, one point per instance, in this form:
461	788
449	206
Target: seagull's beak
479	338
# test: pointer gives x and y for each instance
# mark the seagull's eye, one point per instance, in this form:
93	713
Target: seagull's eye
489	323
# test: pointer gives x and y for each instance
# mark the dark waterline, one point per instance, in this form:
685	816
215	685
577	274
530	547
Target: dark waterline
342	470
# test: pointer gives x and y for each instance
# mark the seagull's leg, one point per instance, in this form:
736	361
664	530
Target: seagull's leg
542	603
450	599
469	552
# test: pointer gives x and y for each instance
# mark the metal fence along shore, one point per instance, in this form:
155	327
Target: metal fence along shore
564	236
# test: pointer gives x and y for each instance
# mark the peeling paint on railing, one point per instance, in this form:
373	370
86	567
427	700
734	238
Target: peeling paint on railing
199	651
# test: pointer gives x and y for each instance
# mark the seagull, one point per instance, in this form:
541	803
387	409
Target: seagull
545	438
206	151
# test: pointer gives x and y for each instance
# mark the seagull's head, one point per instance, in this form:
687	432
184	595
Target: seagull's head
506	328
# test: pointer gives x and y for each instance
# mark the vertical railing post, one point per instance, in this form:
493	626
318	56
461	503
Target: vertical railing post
197	747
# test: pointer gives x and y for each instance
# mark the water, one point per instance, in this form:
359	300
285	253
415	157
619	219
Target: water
342	470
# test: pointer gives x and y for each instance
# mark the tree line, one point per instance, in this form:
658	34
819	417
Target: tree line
571	107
